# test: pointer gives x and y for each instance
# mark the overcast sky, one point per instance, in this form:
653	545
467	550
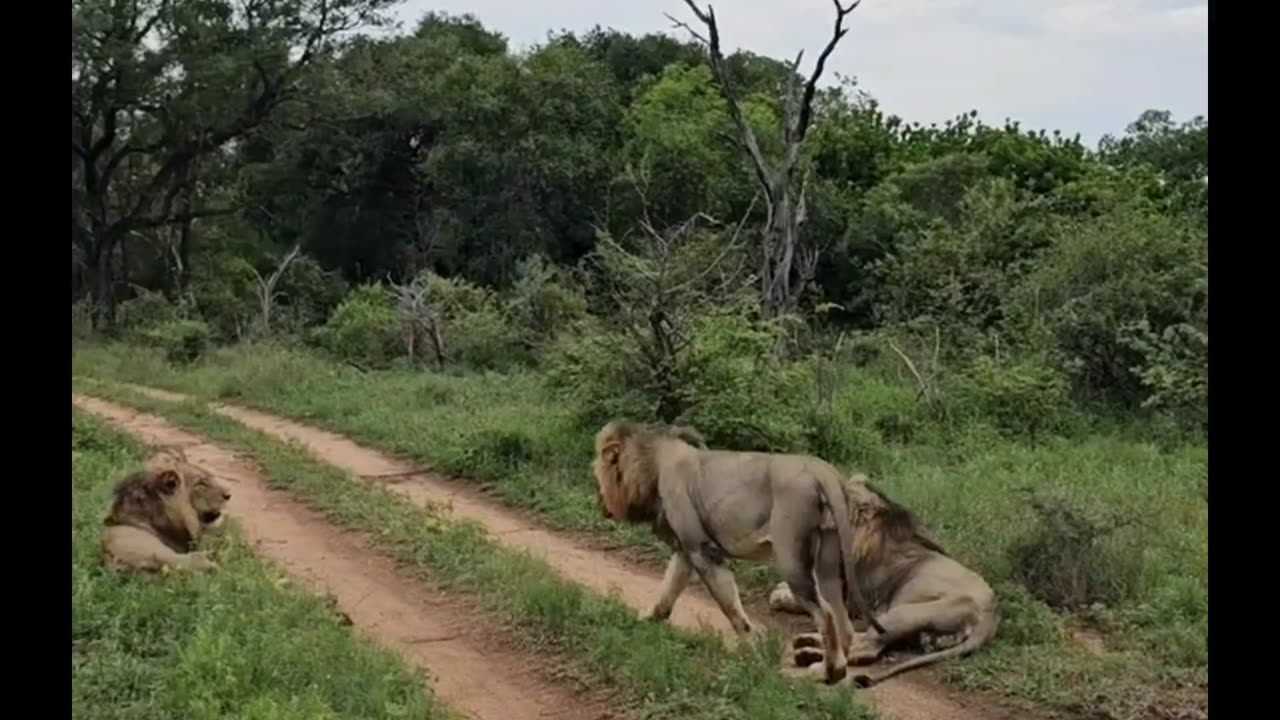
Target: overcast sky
1087	66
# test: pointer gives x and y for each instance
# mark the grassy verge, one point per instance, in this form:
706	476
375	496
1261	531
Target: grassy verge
209	646
666	673
506	432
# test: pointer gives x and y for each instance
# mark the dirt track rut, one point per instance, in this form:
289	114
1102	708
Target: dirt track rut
914	696
471	668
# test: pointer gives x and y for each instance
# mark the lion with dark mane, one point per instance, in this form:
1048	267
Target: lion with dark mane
711	505
917	590
158	514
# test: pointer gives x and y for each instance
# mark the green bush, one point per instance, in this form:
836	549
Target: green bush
364	329
741	397
728	385
81	320
1111	273
183	341
222	289
602	382
1026	396
476	331
1174	369
1064	561
545	301
140	314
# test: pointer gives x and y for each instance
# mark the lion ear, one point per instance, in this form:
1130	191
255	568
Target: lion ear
610	452
167	481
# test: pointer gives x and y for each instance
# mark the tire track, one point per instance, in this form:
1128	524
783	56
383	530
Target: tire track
914	696
469	664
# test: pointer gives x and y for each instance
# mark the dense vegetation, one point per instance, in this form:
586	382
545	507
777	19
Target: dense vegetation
476	255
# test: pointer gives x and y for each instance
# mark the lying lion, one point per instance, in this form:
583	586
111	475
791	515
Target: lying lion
711	505
158	514
917	589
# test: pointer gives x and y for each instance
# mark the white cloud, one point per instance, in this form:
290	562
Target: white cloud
1078	65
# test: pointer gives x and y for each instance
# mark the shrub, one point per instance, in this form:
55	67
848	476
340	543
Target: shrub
1173	370
476	331
81	320
222	290
728	385
1126	267
1026	395
1063	561
364	329
147	310
183	341
545	301
740	396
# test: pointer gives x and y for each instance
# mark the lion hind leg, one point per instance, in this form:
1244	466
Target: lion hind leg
905	620
978	622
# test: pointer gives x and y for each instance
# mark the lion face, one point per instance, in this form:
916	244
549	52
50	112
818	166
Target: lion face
208	497
202	492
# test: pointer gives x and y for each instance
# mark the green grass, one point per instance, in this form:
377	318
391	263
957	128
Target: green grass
209	646
663	672
507	432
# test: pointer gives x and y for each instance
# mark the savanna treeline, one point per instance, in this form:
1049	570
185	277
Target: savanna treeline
652	227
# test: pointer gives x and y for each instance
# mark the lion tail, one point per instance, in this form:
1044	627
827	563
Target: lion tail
832	493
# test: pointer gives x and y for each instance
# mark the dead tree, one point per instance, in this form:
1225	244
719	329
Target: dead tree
419	319
266	288
787	266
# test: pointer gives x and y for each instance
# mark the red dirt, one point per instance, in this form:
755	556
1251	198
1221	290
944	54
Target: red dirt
471	666
915	696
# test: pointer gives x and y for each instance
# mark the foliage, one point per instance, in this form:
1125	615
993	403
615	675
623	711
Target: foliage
183	341
1063	562
1025	396
1104	274
363	329
544	301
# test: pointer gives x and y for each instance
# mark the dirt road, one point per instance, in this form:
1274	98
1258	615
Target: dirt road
471	668
914	696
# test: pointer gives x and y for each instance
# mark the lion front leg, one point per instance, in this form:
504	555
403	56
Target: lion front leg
724	588
674	581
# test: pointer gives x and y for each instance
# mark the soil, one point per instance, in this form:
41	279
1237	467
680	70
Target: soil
472	667
918	695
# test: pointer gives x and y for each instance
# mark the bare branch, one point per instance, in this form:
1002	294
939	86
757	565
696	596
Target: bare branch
806	105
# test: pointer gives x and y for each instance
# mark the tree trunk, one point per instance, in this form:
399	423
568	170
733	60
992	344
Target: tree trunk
102	293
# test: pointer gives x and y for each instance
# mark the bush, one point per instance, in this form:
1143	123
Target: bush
476	331
183	341
364	329
147	310
1024	396
1173	370
1103	275
81	320
1063	562
728	385
544	302
221	288
601	380
740	396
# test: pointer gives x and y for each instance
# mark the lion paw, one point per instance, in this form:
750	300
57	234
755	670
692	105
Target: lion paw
200	560
654	615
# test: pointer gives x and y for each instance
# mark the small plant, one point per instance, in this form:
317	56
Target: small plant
183	341
364	329
1063	562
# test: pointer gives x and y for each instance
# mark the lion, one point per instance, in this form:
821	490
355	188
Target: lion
711	505
159	512
920	591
